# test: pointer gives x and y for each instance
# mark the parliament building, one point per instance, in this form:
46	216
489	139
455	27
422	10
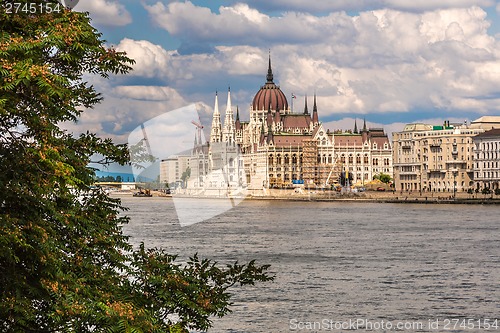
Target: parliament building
277	148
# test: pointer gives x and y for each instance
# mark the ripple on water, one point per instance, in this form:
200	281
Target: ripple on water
341	261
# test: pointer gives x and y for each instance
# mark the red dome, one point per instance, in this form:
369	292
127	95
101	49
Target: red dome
270	94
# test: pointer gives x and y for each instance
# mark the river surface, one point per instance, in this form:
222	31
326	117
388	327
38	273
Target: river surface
344	266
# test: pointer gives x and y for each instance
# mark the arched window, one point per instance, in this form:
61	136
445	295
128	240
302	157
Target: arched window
287	159
271	159
294	159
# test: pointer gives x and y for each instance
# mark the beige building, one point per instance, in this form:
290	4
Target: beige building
434	158
487	160
172	168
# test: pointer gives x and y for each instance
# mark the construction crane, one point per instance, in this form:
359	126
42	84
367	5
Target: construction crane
335	165
200	128
146	140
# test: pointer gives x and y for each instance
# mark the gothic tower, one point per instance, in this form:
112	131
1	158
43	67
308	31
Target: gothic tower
228	134
216	131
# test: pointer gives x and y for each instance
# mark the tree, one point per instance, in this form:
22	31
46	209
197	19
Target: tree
185	176
65	265
384	178
486	191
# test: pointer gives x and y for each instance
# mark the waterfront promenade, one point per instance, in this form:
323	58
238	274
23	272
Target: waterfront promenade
368	196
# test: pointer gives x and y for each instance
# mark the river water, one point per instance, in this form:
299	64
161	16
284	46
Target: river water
345	266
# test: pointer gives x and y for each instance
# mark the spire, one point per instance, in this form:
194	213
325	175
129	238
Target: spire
262	134
269	135
228	107
237	123
277	117
364	132
216	131
269	115
315	111
306	111
269	70
355	127
228	133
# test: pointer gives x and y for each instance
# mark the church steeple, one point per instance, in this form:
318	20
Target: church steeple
237	123
355	127
269	119
216	131
228	133
364	131
269	70
306	111
315	112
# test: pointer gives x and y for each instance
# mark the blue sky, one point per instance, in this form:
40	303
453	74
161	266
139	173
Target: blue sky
391	62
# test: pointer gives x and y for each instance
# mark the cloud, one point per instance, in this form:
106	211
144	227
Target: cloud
124	108
244	24
149	93
381	61
106	12
322	6
151	60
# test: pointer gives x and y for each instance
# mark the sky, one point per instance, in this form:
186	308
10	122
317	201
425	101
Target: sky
390	62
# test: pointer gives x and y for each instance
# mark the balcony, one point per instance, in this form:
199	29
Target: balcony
408	173
456	162
436	171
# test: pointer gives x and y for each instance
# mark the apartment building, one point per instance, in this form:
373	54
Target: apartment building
431	158
487	159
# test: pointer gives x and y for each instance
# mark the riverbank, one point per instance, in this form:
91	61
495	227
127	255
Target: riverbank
370	196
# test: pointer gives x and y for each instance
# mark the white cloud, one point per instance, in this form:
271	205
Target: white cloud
321	6
149	93
106	12
243	24
124	108
151	60
380	61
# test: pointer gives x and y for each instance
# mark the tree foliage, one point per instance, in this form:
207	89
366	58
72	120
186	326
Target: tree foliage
65	264
383	177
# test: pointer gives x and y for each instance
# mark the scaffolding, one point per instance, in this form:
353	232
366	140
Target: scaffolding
310	162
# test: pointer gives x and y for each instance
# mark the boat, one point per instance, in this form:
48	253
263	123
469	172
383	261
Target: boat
141	193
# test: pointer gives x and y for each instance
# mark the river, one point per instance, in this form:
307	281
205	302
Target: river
385	267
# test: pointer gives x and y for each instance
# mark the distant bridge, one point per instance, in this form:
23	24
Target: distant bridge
121	185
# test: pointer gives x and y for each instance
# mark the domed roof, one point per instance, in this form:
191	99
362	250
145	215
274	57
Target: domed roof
270	93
